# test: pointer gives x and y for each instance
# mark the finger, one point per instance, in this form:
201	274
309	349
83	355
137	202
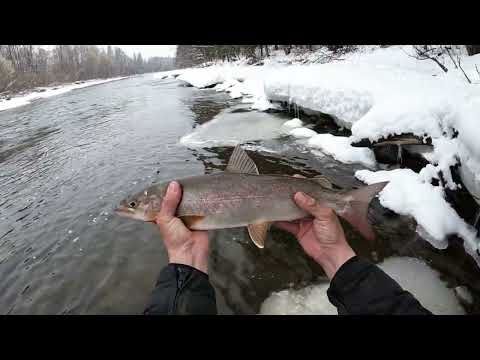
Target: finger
170	202
290	227
299	176
310	205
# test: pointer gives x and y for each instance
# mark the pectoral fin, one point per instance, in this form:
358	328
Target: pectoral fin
192	221
258	233
241	163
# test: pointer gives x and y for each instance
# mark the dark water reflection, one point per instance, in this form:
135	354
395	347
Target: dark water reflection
67	161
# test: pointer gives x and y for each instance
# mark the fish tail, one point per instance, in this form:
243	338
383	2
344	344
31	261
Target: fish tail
357	211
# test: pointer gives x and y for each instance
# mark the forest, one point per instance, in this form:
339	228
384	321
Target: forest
23	67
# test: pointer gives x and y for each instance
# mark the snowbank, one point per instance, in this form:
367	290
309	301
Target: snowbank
292	124
50	91
336	146
409	194
302	132
375	92
212	75
413	275
167	74
340	149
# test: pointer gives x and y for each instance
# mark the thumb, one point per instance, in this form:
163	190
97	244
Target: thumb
170	202
310	205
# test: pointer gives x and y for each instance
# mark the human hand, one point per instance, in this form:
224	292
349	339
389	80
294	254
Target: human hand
322	237
183	245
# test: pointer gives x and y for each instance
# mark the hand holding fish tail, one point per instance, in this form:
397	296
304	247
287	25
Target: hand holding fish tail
322	237
183	245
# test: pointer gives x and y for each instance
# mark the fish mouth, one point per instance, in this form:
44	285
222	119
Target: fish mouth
125	212
132	214
122	210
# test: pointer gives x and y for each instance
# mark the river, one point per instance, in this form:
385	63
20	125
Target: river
67	161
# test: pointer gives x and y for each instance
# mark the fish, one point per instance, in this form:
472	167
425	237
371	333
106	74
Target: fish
241	196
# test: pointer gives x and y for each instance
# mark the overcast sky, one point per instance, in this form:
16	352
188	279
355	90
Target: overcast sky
147	51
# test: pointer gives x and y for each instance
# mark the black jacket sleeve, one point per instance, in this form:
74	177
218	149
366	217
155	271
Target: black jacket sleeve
360	287
182	290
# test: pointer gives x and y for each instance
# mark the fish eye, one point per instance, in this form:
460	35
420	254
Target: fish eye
132	204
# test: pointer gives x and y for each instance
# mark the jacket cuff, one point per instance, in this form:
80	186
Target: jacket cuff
182	289
187	267
349	272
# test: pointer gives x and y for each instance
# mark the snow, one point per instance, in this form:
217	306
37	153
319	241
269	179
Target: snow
294	123
340	149
302	132
202	77
50	91
227	84
212	75
311	300
445	154
409	194
261	103
167	74
375	92
468	144
323	88
235	94
412	275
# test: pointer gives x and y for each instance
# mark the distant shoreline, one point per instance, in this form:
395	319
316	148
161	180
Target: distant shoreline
25	97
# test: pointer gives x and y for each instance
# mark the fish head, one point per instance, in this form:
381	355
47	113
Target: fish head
143	205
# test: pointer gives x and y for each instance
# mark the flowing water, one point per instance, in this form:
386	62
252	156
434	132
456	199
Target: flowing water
68	160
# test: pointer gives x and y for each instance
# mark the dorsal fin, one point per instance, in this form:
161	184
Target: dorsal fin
319	179
241	163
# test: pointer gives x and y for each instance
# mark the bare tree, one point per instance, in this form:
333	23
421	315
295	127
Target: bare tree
429	52
457	62
434	53
27	66
6	72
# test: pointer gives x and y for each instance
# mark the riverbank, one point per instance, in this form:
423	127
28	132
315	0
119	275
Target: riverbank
375	92
11	101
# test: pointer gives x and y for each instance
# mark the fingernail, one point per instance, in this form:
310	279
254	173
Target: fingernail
173	186
306	199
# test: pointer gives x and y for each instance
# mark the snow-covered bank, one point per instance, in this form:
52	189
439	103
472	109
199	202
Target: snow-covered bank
377	92
412	274
167	74
50	91
340	148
